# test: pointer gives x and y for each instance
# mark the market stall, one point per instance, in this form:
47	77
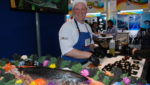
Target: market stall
117	64
55	71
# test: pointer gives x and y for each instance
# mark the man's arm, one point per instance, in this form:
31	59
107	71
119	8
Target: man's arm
79	54
84	54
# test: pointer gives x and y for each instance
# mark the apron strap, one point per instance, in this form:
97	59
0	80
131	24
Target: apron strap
79	29
77	25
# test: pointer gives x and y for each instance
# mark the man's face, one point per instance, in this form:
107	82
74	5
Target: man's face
79	11
109	24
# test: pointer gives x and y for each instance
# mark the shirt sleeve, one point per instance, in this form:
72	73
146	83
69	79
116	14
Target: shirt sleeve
114	31
65	39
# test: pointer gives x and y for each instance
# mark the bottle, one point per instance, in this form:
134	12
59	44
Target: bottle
120	46
112	47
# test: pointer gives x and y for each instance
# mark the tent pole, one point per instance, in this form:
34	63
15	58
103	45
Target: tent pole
38	34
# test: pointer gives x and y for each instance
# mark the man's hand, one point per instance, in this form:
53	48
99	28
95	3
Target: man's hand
94	59
134	50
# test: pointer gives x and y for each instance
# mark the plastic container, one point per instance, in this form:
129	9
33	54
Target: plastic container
112	47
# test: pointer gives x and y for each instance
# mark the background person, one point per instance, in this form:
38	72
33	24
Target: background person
144	52
144	37
111	30
95	27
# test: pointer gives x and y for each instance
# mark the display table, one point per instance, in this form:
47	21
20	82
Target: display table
107	37
123	36
105	61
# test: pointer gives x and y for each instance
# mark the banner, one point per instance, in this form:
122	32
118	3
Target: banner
123	22
93	6
131	4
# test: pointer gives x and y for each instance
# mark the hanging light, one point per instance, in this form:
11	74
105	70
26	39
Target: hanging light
97	14
131	12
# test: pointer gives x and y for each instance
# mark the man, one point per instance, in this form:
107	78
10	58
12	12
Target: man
144	35
75	36
111	30
144	52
